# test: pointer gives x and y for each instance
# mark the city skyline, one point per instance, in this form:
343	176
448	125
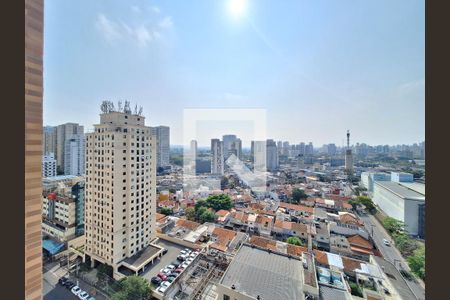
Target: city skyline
329	64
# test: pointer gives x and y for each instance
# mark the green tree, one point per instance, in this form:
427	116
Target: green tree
298	194
417	262
405	244
207	216
293	240
393	225
190	213
366	201
166	211
133	288
218	202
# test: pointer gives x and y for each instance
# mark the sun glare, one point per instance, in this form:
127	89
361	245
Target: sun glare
237	7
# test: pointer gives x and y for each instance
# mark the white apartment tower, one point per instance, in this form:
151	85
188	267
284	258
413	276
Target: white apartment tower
74	155
162	140
48	165
217	158
63	132
271	155
120	200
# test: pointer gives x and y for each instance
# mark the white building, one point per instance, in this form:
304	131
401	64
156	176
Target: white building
217	157
162	140
271	155
228	141
369	178
74	155
48	165
403	201
120	202
63	132
259	155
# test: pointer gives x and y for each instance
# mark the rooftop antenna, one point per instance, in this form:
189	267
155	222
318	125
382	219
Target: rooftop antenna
348	139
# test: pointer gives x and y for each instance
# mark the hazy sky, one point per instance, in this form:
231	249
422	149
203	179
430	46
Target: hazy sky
318	67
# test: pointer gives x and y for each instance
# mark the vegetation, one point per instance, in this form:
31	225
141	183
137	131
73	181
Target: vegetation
363	200
166	211
133	288
417	262
393	226
359	189
297	195
104	270
202	211
190	213
293	240
355	289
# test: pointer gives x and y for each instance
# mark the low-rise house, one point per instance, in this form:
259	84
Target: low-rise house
222	216
322	237
340	245
264	225
348	218
361	248
296	209
221	238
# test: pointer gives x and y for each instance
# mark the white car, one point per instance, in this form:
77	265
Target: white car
76	290
193	254
386	242
171	267
185	251
184	265
189	260
83	295
163	287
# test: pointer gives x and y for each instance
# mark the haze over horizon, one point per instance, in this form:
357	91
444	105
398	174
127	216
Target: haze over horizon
318	68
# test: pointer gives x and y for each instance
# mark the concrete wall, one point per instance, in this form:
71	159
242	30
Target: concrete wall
178	241
233	294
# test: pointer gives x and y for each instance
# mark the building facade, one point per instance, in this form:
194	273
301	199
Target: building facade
74	155
271	156
49	140
217	157
120	199
63	132
228	141
162	142
48	165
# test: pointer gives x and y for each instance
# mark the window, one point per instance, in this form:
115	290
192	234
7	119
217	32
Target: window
226	297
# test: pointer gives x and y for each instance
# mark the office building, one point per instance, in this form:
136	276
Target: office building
402	177
49	140
331	149
63	207
74	155
259	155
63	132
193	150
120	200
404	201
286	147
271	156
236	148
228	141
162	139
34	30
217	157
48	165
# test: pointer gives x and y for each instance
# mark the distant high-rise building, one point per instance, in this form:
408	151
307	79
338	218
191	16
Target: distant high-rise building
228	141
348	156
271	155
162	140
280	147
258	155
74	155
332	150
193	150
285	150
217	157
48	165
236	148
120	201
302	148
63	132
49	140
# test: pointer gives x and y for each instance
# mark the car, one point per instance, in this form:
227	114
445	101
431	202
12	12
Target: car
185	251
174	273
83	295
164	283
386	242
165	271
76	290
162	289
193	255
181	257
164	251
156	280
69	284
62	280
91	298
179	269
162	276
175	263
185	265
189	260
170	279
171	267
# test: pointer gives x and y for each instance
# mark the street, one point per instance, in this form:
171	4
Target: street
390	253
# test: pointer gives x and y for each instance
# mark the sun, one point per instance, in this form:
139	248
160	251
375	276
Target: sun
237	7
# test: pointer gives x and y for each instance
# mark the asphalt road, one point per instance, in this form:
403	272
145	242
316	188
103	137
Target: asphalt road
390	253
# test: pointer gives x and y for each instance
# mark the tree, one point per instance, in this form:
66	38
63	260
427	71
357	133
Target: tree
190	213
405	244
293	240
366	201
131	288
393	225
207	216
103	270
166	211
417	262
218	202
298	194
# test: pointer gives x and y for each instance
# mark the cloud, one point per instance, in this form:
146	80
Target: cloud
166	23
155	9
109	29
140	29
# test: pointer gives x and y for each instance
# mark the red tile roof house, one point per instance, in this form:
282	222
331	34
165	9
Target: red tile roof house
350	219
222	216
296	210
282	228
264	225
361	248
221	238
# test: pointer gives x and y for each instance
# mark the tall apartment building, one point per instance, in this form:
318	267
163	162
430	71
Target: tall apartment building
258	155
236	148
193	150
120	200
63	132
271	155
74	155
162	139
217	157
49	140
48	165
228	141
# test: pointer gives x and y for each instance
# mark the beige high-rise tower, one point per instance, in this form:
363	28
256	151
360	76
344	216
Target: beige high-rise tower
120	200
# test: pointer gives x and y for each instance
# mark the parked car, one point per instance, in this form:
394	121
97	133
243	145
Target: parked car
165	271
179	269
170	279
185	265
175	263
83	295
181	257
386	242
162	276
69	284
156	280
163	287
91	298
171	267
76	290
185	251
62	280
189	260
164	251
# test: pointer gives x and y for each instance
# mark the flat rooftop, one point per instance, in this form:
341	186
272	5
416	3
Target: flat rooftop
270	275
142	257
401	190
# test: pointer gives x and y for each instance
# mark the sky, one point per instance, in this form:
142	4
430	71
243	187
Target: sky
318	68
